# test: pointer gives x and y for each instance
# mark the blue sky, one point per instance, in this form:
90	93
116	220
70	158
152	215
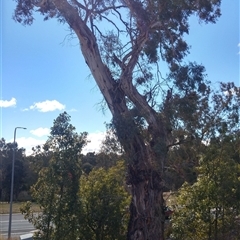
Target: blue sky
43	73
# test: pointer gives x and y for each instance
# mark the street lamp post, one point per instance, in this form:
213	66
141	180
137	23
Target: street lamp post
12	180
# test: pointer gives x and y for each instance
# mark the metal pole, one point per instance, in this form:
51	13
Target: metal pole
12	180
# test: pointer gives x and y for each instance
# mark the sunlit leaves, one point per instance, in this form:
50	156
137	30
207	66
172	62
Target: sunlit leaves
105	203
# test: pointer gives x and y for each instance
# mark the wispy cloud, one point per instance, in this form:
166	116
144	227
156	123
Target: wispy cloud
40	132
46	106
6	103
239	47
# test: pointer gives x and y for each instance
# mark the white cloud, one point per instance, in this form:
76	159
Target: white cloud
95	142
47	106
40	132
94	145
28	143
10	103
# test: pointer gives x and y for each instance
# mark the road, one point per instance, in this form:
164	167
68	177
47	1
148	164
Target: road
19	225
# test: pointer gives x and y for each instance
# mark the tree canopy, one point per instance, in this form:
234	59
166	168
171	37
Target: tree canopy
105	203
152	112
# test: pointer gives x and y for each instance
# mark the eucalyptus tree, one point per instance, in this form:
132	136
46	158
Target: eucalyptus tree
140	36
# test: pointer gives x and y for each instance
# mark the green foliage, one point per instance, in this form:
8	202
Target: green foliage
196	119
151	115
100	160
210	208
72	205
56	190
21	172
105	203
162	23
181	164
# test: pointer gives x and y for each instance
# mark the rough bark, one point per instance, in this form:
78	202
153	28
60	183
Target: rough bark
147	217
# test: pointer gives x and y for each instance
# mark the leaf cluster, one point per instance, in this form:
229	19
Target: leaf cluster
105	203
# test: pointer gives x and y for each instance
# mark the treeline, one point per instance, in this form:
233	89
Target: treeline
24	176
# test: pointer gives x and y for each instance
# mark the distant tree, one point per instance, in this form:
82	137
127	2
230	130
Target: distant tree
110	153
39	158
89	162
56	190
97	160
6	155
105	203
140	34
110	144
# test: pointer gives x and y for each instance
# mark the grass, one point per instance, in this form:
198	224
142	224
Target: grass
4	207
169	197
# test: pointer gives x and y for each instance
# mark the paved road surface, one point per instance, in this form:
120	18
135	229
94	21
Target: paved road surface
19	225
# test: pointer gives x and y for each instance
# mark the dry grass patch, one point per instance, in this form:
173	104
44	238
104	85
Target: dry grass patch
5	238
4	208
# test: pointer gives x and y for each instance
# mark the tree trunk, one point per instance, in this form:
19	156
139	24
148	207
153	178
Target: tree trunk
146	209
146	158
145	179
145	176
